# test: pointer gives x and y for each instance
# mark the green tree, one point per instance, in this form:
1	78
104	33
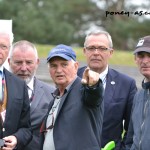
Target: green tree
66	21
47	21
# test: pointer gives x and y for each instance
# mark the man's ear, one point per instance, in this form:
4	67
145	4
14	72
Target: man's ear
38	61
84	51
135	59
76	64
9	61
111	53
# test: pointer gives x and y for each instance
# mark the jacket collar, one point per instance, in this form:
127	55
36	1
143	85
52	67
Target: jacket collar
145	85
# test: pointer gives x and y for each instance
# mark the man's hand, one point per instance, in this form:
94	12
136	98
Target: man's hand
90	77
10	143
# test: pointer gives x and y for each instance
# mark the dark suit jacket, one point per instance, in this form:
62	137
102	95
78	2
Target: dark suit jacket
118	97
17	120
38	109
79	118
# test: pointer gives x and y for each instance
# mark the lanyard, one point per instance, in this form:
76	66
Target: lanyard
2	90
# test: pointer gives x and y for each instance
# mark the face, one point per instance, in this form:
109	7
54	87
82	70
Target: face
24	63
97	59
142	59
4	47
62	71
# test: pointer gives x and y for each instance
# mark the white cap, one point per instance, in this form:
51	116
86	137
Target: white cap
6	26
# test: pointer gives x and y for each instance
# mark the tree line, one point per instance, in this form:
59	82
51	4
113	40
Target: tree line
68	21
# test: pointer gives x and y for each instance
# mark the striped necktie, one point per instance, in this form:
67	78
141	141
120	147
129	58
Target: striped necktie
1	87
30	93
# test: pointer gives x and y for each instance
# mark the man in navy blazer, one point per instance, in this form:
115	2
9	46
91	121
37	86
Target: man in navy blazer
15	126
74	118
119	89
17	119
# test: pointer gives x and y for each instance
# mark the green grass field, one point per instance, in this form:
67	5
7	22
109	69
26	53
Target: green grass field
119	57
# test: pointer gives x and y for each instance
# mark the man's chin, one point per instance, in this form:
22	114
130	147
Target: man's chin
27	80
94	67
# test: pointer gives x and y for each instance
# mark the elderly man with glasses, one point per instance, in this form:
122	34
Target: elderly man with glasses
15	126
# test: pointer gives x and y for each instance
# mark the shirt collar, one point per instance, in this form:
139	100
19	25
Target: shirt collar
102	75
56	92
31	84
2	69
68	87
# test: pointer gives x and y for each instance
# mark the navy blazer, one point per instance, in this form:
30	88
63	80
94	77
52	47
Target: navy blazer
79	118
17	120
118	98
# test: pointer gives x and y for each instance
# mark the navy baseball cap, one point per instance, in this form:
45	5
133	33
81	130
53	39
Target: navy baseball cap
63	51
143	45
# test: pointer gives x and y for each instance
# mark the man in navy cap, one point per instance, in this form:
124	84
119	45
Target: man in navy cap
74	118
138	137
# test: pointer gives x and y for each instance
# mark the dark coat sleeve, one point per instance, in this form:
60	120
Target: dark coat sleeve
24	134
17	120
93	96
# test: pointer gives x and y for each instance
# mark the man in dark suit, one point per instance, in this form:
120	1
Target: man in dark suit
74	119
15	127
119	88
23	60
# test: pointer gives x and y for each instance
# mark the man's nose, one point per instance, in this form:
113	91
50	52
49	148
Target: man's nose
146	59
24	66
59	68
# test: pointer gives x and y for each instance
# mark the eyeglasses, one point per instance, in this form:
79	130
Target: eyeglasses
51	116
51	126
99	49
3	47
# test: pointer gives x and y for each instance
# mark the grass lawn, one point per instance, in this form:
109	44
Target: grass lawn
119	57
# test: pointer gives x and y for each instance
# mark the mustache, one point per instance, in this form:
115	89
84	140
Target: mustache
145	65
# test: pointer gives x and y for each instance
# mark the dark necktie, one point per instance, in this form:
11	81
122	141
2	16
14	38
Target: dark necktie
31	97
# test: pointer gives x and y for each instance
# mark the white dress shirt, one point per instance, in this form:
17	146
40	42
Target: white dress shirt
103	77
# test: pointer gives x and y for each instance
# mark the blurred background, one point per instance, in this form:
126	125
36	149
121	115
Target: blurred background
68	21
50	22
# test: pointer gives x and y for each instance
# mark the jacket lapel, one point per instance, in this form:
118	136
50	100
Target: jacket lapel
37	95
66	94
111	84
10	96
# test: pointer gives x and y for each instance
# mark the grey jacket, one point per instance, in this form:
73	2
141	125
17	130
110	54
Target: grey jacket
38	109
138	137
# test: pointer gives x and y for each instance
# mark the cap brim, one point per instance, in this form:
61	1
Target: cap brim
59	55
142	49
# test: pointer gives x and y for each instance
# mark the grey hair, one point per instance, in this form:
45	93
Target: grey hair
10	34
23	44
99	32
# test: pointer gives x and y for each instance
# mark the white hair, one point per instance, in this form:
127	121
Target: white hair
23	44
10	35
